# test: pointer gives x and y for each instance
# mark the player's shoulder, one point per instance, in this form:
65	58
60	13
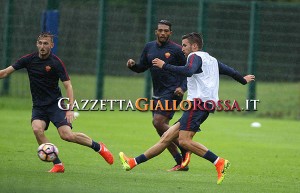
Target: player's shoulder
29	56
175	45
199	53
56	59
150	44
24	60
27	59
195	55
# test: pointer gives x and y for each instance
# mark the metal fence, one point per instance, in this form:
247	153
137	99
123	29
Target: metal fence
224	24
263	37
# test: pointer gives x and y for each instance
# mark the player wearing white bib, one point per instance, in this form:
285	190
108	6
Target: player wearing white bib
204	85
203	72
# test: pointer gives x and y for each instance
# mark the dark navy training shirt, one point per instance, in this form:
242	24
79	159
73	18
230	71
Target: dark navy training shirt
44	75
164	81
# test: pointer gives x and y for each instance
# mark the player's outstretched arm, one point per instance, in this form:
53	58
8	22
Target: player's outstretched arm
229	71
249	78
138	68
7	71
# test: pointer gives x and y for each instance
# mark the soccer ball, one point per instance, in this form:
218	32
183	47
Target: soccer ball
47	152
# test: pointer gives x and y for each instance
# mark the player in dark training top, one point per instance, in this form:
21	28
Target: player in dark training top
166	85
44	71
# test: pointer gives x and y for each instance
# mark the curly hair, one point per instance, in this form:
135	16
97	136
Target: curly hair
166	22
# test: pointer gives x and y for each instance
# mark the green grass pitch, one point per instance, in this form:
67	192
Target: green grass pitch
263	159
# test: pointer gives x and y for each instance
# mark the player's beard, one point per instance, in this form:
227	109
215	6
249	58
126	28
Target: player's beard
44	52
163	40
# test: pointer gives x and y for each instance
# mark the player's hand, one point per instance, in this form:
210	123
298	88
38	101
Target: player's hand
249	78
158	62
130	63
179	92
70	116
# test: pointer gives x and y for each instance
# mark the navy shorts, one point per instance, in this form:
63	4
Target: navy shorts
192	119
167	113
50	113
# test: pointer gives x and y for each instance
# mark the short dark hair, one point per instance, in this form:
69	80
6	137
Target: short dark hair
45	34
166	22
194	38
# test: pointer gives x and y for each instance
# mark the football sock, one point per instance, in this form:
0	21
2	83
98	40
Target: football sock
95	146
182	150
178	158
57	161
210	156
215	162
140	159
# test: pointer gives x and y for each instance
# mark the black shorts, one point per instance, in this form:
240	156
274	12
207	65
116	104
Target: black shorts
50	113
192	119
167	113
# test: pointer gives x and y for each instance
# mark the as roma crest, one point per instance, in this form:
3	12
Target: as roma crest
167	54
48	68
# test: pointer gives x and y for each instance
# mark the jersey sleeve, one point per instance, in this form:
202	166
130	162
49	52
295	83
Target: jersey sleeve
183	80
22	62
229	71
61	70
143	65
193	66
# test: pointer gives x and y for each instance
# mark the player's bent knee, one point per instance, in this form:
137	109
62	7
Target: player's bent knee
67	137
159	126
38	126
66	133
37	130
183	143
156	123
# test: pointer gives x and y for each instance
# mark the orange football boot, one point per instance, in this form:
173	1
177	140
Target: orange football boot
127	163
221	167
57	168
105	153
